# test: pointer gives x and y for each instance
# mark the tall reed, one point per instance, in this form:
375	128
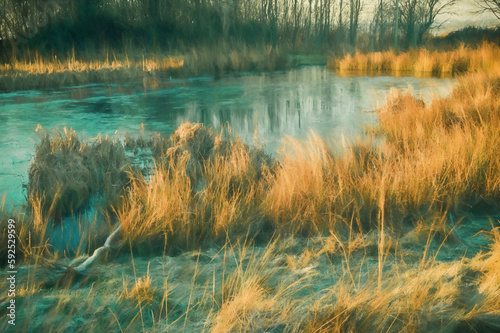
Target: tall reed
421	62
205	186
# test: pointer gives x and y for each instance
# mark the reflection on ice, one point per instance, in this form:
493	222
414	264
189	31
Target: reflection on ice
269	105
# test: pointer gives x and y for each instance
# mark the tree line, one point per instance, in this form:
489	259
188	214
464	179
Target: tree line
87	25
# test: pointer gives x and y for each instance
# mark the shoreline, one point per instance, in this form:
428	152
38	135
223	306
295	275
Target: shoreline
46	74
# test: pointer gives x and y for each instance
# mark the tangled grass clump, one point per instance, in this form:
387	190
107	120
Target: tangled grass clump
67	172
204	186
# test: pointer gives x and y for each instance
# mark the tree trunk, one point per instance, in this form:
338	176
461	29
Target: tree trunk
396	26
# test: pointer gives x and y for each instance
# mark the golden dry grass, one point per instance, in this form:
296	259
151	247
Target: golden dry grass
35	72
429	297
421	62
285	286
433	159
39	65
141	291
204	186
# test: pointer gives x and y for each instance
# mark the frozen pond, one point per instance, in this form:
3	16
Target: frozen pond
270	105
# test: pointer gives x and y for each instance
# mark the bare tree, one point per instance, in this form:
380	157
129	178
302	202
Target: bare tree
339	34
418	16
396	25
354	11
378	25
491	6
225	8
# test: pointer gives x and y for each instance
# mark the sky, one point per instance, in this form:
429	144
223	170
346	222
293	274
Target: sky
462	15
458	16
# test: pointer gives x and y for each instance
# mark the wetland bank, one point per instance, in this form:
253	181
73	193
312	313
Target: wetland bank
392	230
221	186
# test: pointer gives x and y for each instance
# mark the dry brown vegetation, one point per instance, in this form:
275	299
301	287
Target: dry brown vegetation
434	160
38	65
66	172
387	233
327	284
35	72
421	62
205	185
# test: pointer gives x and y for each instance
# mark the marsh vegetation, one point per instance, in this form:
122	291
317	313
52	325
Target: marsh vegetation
394	228
397	231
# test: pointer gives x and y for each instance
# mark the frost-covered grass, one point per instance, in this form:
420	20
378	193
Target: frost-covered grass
319	284
67	172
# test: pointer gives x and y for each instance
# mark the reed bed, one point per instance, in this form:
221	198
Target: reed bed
38	65
421	62
435	158
41	73
38	72
204	186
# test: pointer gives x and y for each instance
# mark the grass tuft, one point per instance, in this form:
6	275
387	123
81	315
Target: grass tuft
67	172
